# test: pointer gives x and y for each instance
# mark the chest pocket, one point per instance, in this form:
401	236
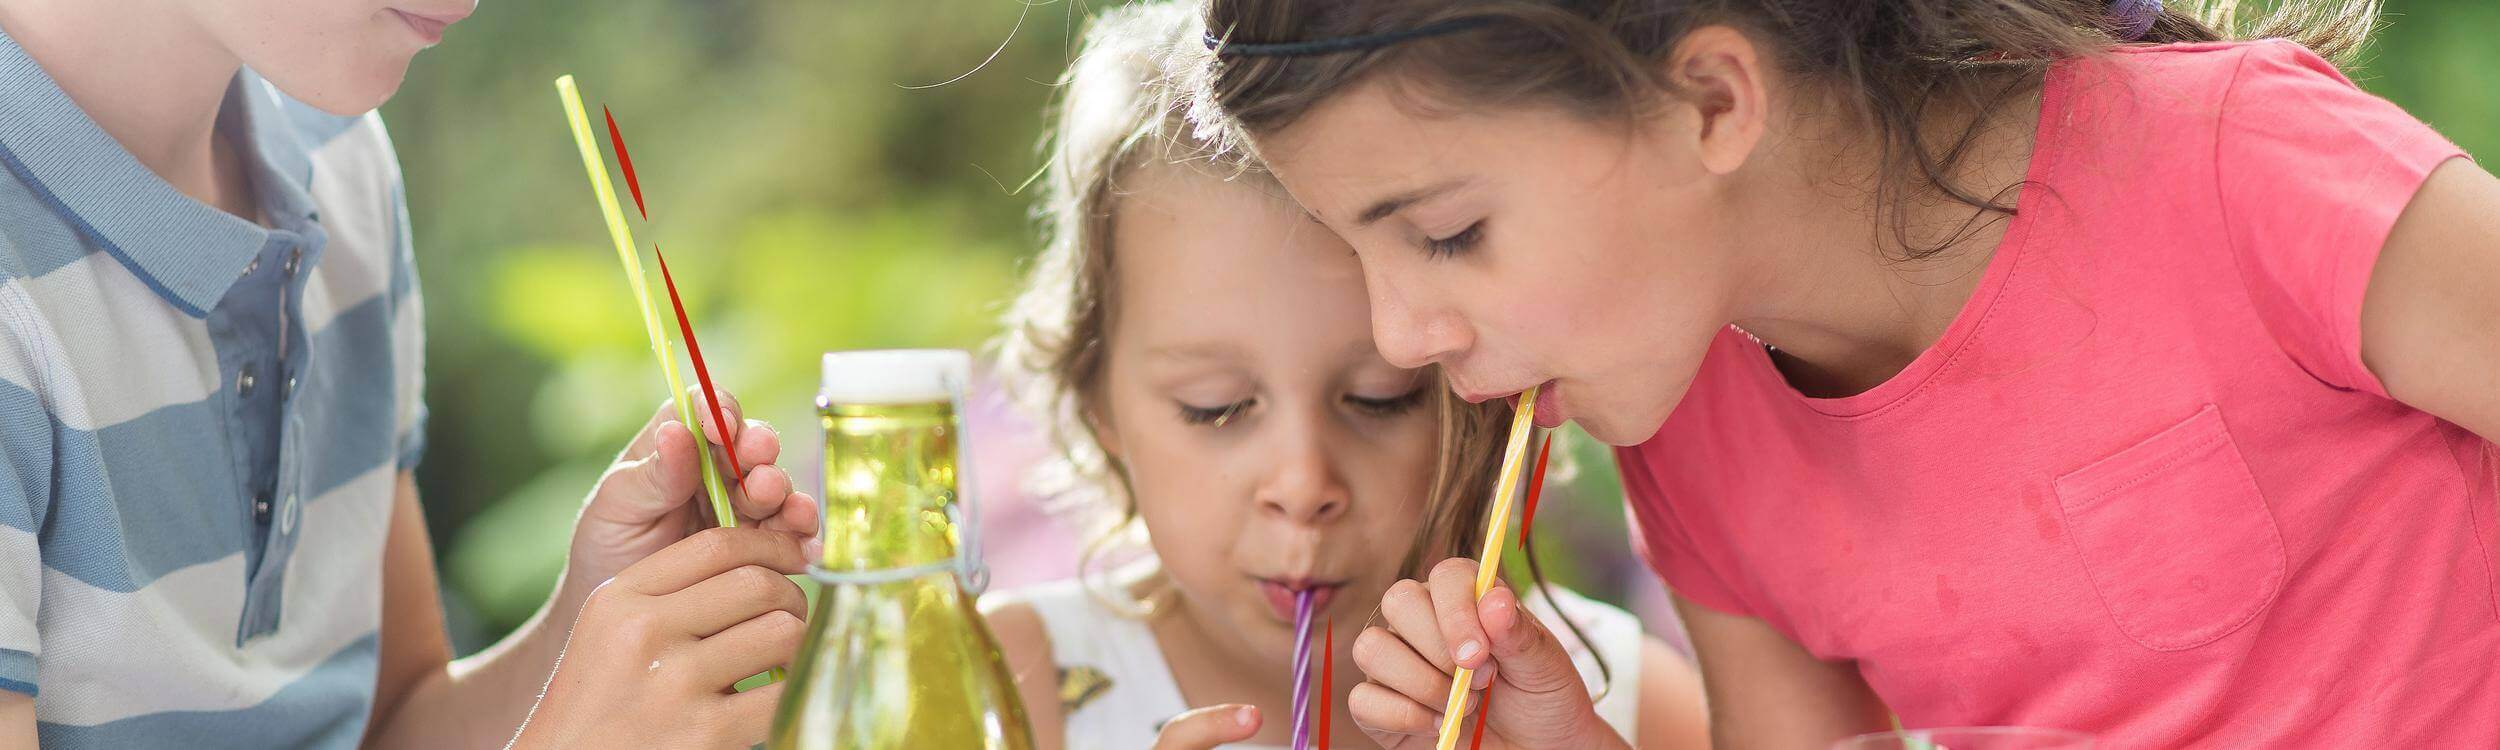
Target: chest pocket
2174	536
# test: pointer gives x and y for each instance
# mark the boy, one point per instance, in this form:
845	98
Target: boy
210	348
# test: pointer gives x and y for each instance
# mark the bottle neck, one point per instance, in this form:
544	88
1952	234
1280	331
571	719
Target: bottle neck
889	482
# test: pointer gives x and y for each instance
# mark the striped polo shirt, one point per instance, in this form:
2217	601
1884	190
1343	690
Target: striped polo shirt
201	420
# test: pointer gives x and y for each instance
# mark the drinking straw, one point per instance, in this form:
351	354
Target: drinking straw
1302	669
1483	709
1327	677
571	97
624	238
1536	479
703	375
1496	525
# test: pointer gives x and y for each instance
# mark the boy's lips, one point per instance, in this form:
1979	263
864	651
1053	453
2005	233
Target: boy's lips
1280	595
428	26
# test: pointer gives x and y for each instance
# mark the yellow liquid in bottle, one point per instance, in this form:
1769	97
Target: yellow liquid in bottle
906	662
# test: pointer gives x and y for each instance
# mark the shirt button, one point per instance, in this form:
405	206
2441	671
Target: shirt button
260	508
243	382
292	259
290	386
252	266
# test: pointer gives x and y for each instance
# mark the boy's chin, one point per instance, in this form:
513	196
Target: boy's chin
346	93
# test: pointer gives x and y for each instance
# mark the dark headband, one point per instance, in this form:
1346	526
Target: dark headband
1337	45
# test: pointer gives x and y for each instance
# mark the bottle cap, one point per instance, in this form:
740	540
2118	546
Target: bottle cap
894	376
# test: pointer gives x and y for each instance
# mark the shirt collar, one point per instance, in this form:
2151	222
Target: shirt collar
189	252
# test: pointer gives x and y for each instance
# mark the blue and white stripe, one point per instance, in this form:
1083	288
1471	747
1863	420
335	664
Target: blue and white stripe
201	424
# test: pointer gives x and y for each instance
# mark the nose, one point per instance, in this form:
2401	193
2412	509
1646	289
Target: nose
1411	335
1302	484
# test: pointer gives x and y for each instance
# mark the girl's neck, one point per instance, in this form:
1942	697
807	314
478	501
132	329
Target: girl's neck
1210	671
1830	285
156	88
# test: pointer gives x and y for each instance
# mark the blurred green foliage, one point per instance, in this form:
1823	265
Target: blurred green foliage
818	192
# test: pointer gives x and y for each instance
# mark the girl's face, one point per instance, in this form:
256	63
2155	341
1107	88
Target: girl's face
1524	246
1269	446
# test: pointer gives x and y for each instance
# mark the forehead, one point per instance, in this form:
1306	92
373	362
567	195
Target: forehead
1202	259
1382	138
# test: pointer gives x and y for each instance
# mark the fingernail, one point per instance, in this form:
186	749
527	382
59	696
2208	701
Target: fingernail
1245	716
1476	680
1467	651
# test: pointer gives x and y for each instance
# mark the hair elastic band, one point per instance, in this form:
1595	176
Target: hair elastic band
1337	45
2135	17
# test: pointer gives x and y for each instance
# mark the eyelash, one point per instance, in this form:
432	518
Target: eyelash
1388	407
1196	415
1373	407
1455	244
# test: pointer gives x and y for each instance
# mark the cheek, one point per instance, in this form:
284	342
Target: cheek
1390	489
344	59
1190	502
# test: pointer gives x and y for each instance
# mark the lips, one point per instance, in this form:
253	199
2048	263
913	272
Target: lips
1280	594
1545	395
1549	413
429	26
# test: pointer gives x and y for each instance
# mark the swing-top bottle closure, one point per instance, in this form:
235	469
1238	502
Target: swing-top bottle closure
906	399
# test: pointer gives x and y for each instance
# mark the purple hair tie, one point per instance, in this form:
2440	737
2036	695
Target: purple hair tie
2134	18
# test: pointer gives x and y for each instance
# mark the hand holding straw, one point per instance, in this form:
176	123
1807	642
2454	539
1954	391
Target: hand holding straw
1497	525
1302	669
625	254
722	512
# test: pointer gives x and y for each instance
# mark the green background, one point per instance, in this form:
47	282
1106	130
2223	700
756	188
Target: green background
820	191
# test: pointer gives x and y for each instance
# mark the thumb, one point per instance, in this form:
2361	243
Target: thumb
1530	658
1205	728
645	489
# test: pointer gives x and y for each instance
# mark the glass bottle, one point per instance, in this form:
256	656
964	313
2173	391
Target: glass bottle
896	654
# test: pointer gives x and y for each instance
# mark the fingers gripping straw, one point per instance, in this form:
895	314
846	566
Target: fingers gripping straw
624	238
1302	669
1496	526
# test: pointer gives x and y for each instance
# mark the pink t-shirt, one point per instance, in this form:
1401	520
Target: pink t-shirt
2143	486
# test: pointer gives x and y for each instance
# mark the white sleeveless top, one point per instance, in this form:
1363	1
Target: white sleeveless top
1116	695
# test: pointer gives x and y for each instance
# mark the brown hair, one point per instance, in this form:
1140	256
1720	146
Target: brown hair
1122	108
1887	61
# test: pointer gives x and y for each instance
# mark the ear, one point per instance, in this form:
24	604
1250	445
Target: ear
1721	74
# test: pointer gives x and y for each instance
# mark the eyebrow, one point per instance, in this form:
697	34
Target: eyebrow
1195	352
1399	202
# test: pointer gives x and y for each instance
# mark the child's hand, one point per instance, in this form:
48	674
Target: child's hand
1208	728
652	495
1538	697
651	661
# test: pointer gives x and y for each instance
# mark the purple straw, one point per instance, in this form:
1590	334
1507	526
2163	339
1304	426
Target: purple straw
1302	670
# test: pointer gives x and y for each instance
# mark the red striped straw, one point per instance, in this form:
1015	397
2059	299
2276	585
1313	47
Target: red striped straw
703	375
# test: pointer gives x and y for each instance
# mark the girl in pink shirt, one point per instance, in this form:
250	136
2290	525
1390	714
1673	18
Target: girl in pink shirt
2039	362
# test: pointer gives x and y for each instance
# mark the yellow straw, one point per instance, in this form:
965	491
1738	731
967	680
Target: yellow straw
598	168
1496	526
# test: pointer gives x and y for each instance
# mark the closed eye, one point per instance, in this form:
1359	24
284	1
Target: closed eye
1463	241
1387	407
1215	416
